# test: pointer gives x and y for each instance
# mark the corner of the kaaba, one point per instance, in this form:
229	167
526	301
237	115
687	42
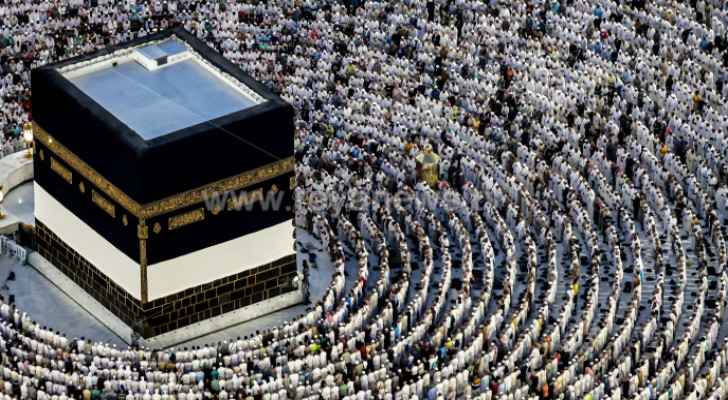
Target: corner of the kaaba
213	150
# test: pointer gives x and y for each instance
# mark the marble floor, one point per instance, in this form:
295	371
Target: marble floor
19	202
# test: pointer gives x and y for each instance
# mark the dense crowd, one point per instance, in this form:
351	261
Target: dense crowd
573	245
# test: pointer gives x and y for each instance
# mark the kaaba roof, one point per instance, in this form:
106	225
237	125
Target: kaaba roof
155	100
161	115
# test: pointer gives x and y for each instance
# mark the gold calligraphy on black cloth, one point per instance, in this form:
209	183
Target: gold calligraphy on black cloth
163	206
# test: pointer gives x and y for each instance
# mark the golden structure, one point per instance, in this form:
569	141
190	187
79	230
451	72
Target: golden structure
428	166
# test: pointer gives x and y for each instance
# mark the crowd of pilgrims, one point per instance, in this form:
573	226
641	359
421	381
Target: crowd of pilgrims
573	245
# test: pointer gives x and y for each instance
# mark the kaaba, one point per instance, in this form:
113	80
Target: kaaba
163	177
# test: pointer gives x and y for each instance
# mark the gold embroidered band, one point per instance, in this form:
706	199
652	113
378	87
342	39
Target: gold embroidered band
168	204
185	219
61	170
103	203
